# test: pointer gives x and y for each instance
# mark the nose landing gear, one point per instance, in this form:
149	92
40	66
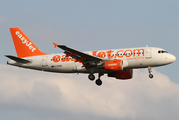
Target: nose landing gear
150	74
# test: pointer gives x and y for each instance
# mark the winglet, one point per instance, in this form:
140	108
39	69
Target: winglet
55	45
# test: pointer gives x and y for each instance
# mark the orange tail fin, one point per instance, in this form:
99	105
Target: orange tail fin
24	46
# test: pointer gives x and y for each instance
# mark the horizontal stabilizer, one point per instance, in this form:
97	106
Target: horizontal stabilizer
20	60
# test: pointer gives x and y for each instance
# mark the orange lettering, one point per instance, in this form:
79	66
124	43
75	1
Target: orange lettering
119	52
109	53
56	58
94	53
129	54
65	58
138	52
101	54
72	59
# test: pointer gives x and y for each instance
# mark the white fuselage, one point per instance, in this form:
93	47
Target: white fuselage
133	58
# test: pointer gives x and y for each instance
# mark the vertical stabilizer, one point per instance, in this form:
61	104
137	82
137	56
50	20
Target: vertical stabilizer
23	45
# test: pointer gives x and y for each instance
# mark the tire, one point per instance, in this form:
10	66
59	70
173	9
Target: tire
151	76
98	82
91	77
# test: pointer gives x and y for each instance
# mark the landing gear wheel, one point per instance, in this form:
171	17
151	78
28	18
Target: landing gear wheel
91	77
151	76
98	82
150	72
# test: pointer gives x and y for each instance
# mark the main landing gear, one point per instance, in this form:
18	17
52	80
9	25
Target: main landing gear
150	74
91	77
98	81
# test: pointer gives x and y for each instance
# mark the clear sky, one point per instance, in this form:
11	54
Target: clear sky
89	25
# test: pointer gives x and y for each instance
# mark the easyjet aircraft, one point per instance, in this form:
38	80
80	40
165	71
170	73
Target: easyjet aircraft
117	63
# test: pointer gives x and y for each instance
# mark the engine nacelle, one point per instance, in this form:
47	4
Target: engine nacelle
113	65
122	74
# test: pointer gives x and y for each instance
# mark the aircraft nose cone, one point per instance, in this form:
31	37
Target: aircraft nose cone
172	58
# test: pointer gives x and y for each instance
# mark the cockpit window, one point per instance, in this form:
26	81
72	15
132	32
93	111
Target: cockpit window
162	51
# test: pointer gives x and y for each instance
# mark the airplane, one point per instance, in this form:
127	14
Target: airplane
116	63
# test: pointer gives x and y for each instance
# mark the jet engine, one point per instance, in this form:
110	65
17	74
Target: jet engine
113	65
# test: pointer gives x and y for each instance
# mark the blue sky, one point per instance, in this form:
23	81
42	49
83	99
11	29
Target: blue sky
88	25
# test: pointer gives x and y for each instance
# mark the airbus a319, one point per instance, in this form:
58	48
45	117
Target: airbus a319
116	63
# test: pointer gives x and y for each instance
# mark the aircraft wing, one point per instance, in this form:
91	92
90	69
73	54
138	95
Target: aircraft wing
78	55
